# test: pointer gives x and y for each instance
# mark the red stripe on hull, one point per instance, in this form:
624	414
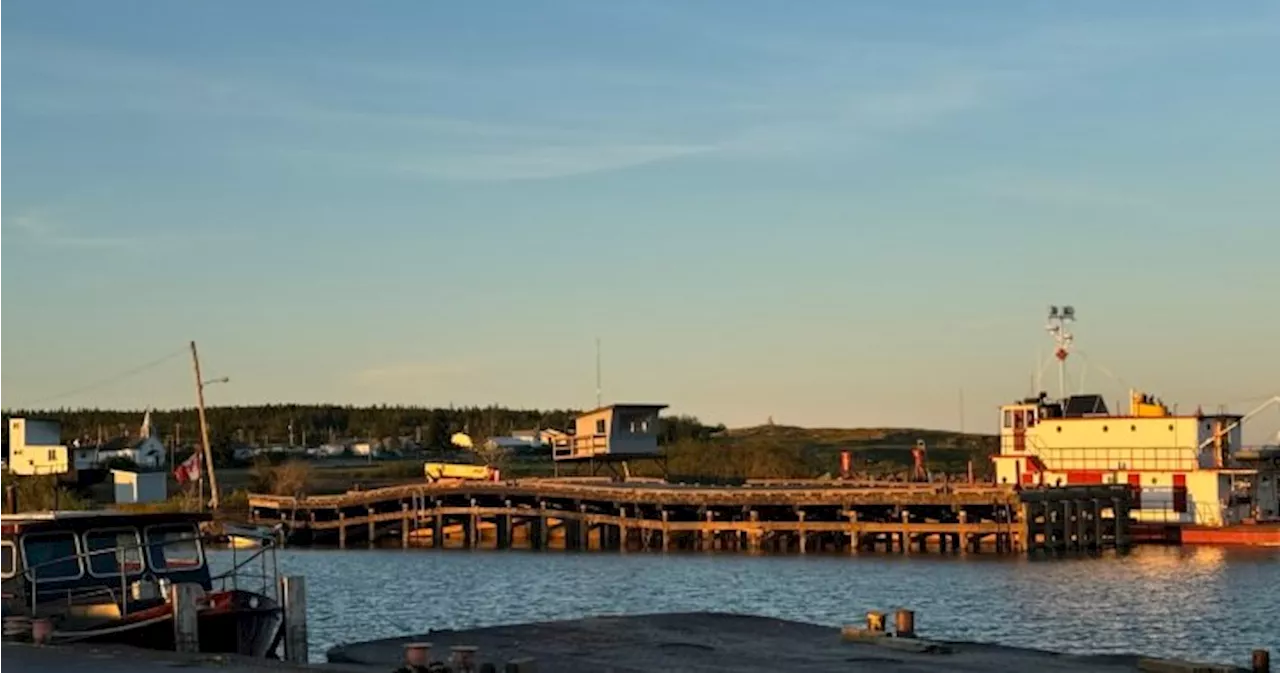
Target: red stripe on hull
1261	535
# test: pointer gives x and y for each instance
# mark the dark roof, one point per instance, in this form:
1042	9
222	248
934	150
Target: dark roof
654	407
1083	405
84	520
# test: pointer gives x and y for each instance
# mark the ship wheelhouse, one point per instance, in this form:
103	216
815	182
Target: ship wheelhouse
1181	466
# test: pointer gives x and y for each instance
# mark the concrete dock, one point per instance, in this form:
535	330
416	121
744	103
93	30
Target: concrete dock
715	643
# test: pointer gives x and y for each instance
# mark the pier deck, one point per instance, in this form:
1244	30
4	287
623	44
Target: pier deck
798	516
714	643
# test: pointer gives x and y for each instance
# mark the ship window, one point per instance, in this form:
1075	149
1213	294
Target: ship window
1008	418
113	551
1031	418
52	556
6	563
1104	428
1059	428
173	548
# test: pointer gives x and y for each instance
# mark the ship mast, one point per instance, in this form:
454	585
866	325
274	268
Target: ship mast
1059	328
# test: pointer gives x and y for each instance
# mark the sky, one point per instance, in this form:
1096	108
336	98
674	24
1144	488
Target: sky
856	214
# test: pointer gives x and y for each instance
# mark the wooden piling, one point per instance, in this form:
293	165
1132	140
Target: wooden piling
404	525
185	599
875	621
342	530
1261	661
293	602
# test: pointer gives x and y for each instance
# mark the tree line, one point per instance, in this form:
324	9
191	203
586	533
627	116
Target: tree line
314	425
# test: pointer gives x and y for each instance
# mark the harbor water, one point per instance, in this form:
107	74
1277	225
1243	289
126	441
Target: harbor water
1203	603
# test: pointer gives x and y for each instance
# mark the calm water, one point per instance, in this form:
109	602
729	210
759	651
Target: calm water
1203	603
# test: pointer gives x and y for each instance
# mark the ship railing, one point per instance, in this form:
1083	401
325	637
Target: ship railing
257	570
1117	459
1202	512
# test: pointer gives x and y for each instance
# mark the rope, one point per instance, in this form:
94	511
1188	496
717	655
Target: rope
109	380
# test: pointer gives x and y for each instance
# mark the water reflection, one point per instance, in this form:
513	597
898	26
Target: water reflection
1202	603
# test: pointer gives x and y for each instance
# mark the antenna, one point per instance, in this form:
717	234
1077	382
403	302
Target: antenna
1058	327
598	401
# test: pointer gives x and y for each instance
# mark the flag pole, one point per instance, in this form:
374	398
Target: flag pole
204	436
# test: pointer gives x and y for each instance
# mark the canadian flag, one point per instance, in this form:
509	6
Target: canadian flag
188	470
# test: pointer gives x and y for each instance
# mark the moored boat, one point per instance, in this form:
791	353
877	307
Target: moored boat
104	576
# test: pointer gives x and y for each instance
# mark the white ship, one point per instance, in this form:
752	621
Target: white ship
1184	469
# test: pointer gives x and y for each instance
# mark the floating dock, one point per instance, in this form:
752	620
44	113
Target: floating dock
798	517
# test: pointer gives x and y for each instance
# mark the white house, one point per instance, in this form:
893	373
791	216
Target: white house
135	487
35	447
147	452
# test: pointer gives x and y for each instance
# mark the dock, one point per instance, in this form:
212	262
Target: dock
730	643
777	517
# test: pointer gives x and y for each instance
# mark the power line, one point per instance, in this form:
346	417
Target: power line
109	380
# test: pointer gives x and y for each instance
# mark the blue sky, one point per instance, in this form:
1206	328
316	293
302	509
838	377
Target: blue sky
840	216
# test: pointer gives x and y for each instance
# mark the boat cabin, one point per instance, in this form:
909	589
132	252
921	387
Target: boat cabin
86	556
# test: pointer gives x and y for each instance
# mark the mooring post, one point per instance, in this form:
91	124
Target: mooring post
417	655
342	530
963	536
473	541
185	599
1261	661
875	621
584	529
293	598
754	535
437	527
904	624
373	532
904	540
711	533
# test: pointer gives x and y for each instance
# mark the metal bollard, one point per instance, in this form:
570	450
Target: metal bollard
521	665
464	658
875	621
1261	661
417	655
904	624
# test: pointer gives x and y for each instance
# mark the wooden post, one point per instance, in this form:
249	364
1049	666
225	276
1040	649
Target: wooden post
437	527
802	532
204	431
584	529
904	540
473	540
753	536
709	543
342	530
404	525
875	621
372	530
963	538
855	538
293	598
624	531
666	532
186	616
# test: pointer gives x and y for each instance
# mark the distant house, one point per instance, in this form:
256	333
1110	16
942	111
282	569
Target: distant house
137	487
35	447
544	437
362	448
145	452
617	430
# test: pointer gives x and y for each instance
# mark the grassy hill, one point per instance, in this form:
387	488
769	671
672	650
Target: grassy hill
782	451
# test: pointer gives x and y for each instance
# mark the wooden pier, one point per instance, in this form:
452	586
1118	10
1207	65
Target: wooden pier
799	517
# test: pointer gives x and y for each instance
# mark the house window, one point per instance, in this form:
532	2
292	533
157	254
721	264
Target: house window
53	455
113	551
173	548
7	559
600	426
52	556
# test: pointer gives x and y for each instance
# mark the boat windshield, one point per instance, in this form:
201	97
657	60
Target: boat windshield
173	547
113	551
52	556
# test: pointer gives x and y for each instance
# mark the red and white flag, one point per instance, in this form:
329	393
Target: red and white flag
188	470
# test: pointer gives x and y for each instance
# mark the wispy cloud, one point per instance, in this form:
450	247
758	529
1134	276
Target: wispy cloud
38	226
543	163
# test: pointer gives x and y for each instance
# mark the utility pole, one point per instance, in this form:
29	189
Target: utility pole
204	429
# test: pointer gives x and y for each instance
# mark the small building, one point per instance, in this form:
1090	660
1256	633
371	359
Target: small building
137	487
614	431
544	437
362	448
147	452
35	447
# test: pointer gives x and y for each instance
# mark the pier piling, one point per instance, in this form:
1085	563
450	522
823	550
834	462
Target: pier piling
185	599
293	602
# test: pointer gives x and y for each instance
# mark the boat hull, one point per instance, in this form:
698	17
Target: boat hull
1249	535
229	626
